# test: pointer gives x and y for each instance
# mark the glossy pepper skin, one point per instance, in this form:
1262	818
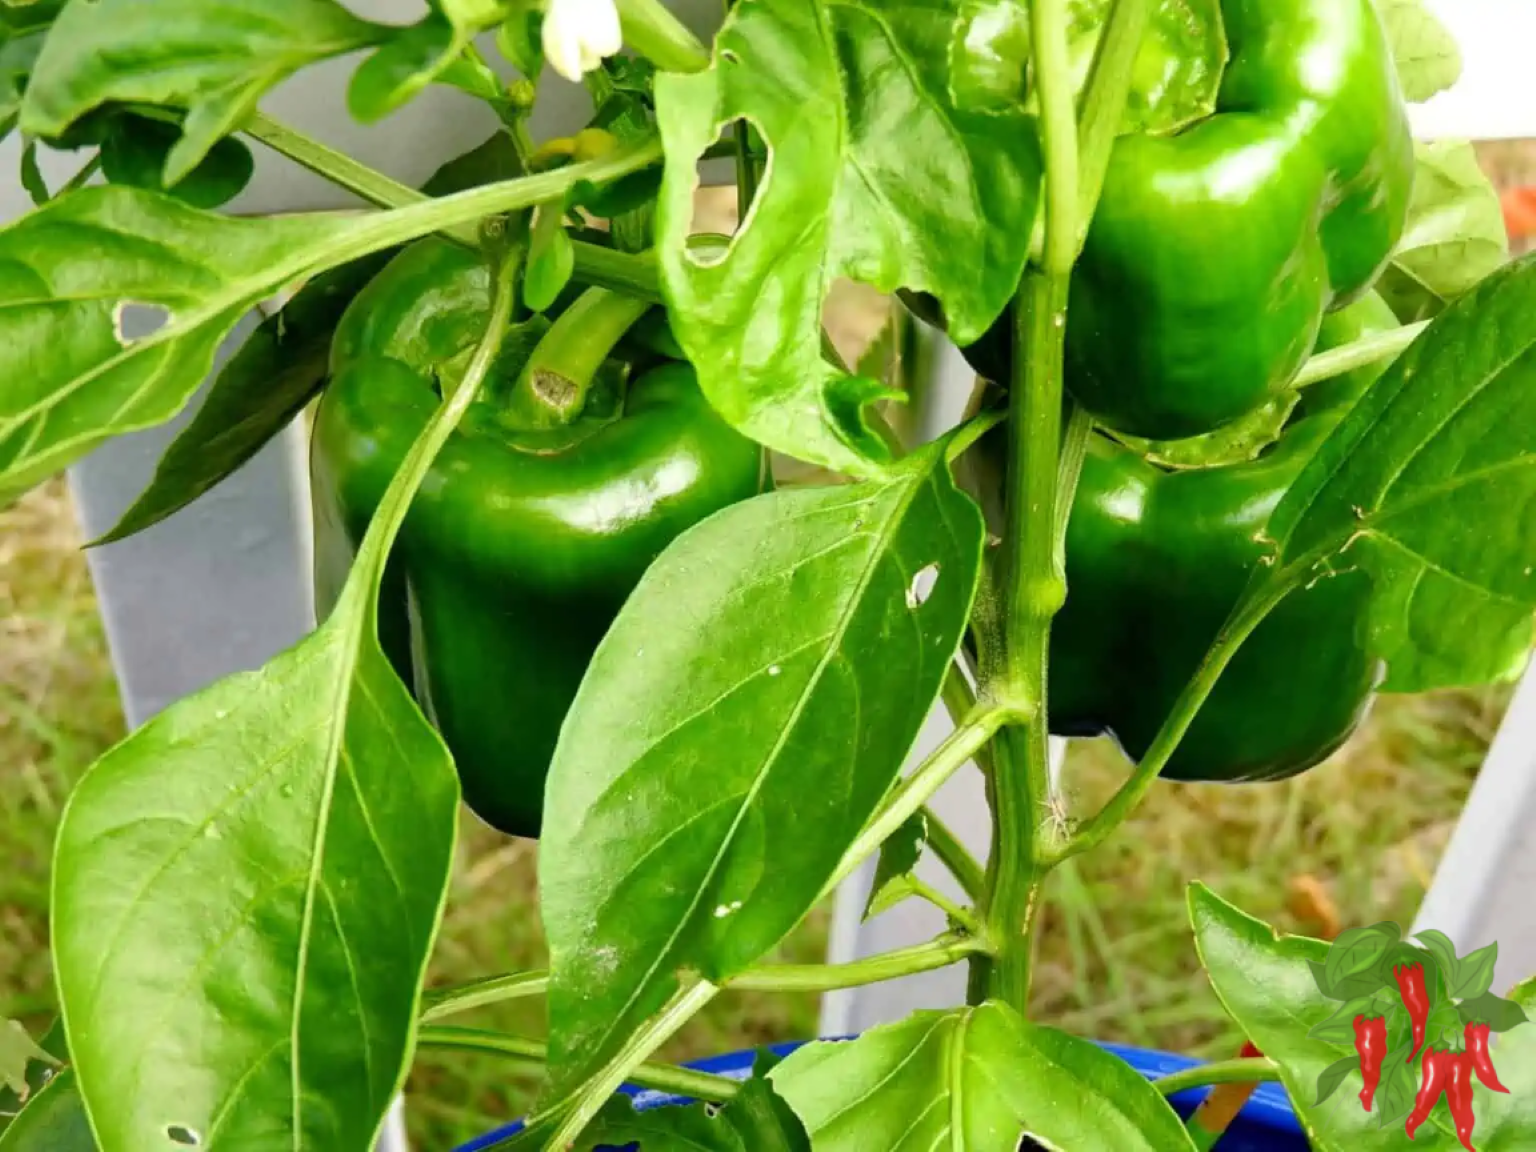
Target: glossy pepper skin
513	560
1476	1037
1410	984
1458	1095
1435	1078
1371	1044
1216	252
1156	560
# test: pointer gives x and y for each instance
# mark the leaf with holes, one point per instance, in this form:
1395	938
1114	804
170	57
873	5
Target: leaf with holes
1455	236
263	865
978	1079
78	276
283	365
841	197
215	58
1429	485
759	690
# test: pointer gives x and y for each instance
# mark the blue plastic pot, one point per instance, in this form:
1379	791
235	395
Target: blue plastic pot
1266	1124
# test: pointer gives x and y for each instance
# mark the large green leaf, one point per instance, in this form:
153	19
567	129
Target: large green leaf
78	274
1455	235
846	96
974	1080
1427	56
84	278
216	58
1264	982
745	715
247	888
1429	484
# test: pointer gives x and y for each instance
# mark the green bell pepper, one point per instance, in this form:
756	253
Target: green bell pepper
1156	561
1216	251
536	520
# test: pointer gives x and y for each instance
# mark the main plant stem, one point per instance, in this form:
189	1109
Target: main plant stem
1033	586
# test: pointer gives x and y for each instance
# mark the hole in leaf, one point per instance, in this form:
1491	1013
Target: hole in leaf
133	320
922	586
186	1137
711	1109
729	56
718	224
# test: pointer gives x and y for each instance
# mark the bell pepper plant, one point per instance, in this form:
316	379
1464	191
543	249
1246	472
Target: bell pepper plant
1252	441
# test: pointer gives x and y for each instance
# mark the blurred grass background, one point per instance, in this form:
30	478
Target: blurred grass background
1353	842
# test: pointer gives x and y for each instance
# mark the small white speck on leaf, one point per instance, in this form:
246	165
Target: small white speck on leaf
774	669
922	585
724	910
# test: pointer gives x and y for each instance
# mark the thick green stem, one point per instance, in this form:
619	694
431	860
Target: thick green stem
652	30
552	388
1249	615
935	954
1249	1071
1361	353
535	1054
633	273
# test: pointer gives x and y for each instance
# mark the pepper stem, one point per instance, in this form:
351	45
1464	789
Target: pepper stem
551	390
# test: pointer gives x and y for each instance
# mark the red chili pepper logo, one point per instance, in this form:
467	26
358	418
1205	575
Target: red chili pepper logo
1371	1045
1410	982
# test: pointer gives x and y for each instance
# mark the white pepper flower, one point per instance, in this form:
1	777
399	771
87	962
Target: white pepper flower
578	34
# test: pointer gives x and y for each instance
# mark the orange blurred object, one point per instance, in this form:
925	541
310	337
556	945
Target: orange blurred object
1519	212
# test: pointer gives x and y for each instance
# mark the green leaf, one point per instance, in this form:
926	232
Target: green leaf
519	41
979	1079
842	198
1358	951
1332	1076
32	176
551	259
1340	1027
1427	485
1474	973
755	1120
135	153
402	66
18	1051
215	58
276	373
247	888
1507	1123
282	366
79	273
1455	236
1439	945
898	859
1428	58
1398	1086
53	1120
22	32
1499	1014
1265	983
843	607
1324	985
